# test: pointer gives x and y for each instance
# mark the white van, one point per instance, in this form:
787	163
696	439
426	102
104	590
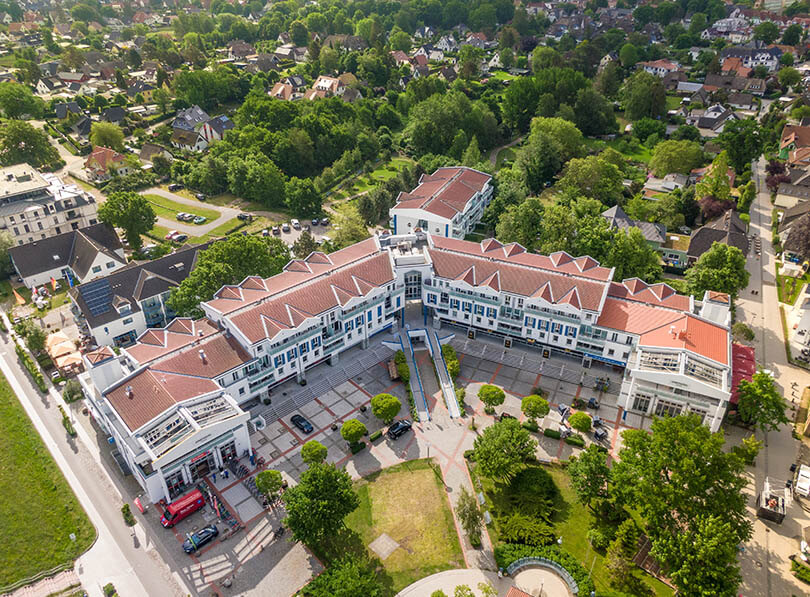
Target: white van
295	224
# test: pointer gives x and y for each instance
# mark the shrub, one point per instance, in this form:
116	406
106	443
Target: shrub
580	421
73	391
520	528
109	590
469	455
553	433
129	519
358	447
801	571
538	391
451	359
376	435
599	539
402	367
575	440
509	552
66	423
530	425
742	331
29	364
461	393
352	430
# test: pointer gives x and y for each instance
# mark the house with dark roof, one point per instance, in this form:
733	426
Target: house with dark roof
150	150
114	114
188	140
122	305
64	109
80	255
215	129
728	229
654	234
83	126
449	202
190	119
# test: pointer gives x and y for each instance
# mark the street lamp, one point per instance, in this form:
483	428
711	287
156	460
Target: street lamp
427	443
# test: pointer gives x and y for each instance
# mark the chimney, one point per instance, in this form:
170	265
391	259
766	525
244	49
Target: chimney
672	331
200	333
129	392
202	356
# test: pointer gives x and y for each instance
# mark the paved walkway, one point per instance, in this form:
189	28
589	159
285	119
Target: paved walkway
535	581
493	155
49	586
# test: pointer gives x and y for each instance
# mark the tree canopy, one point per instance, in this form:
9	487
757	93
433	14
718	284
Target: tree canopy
228	261
721	268
760	402
131	212
22	143
107	134
502	449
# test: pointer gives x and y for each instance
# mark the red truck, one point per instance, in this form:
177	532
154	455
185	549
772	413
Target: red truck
181	508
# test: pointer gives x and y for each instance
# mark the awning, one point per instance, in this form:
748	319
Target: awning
743	367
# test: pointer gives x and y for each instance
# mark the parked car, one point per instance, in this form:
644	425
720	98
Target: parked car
398	428
200	220
306	227
314	221
600	434
189	218
196	540
301	423
180	238
276	230
171	235
181	215
243	216
325	222
200	196
295	224
175	187
285	227
265	232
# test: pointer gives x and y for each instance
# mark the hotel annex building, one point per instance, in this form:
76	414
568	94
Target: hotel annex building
172	401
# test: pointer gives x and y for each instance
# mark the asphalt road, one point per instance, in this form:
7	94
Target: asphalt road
130	561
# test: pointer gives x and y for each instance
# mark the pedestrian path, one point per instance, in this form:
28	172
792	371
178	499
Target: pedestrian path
447	386
48	586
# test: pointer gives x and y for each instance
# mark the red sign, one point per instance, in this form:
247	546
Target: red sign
199	456
138	504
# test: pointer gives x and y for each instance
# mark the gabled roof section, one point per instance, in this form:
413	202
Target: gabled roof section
159	342
493	281
468	276
659	294
446	192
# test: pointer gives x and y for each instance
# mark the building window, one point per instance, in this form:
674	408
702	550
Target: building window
278	360
479	310
127	321
96	269
431	299
110	264
492	313
556	328
543	324
665	408
241	391
610	352
316	342
454	303
571	332
304	348
291	354
641	402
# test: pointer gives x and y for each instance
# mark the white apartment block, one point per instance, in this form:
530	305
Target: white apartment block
35	206
261	332
449	202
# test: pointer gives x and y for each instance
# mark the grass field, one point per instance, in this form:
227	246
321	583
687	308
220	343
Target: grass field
366	182
633	152
673	102
571	521
159	232
508	153
169	209
408	502
39	510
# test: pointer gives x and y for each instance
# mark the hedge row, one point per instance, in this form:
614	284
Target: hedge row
507	553
32	368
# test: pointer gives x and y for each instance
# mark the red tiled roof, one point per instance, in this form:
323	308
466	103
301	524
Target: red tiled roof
518	279
661	294
102	157
152	393
445	192
155	343
634	317
693	334
210	358
515	592
99	355
513	253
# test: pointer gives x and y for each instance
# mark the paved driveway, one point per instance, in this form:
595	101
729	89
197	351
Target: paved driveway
225	213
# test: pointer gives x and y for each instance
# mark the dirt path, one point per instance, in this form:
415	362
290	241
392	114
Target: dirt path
493	155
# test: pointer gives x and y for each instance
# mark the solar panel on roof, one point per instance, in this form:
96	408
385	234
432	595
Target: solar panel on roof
97	295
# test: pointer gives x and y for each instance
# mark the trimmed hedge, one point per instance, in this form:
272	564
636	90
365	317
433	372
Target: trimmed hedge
376	435
451	359
530	425
801	571
358	447
509	552
575	440
32	368
553	433
402	367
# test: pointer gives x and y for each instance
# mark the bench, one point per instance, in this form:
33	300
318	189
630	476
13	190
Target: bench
392	370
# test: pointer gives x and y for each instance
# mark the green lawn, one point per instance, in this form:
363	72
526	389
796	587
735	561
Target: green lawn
366	182
570	519
160	232
39	509
673	102
788	287
57	299
505	154
501	75
169	209
409	503
632	151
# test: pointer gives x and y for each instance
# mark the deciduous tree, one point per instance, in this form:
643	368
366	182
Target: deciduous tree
228	261
17	100
742	141
590	475
385	407
503	448
317	506
303	199
269	483
643	95
313	452
304	245
348	225
469	516
353	431
760	403
580	421
721	268
107	134
491	396
130	212
534	406
676	156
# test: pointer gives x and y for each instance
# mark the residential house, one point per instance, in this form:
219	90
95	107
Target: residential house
728	229
654	234
325	87
733	65
792	215
282	91
447	44
123	304
150	150
421	71
215	129
754	54
188	140
49	86
35	206
190	118
712	120
400	58
425	32
449	202
103	161
79	255
114	114
659	68
63	110
732	83
145	89
742	101
239	49
448	73
655	187
82	127
794	145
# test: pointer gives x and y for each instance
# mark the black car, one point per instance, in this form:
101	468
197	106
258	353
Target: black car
398	428
314	221
200	196
175	187
196	540
243	216
301	423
